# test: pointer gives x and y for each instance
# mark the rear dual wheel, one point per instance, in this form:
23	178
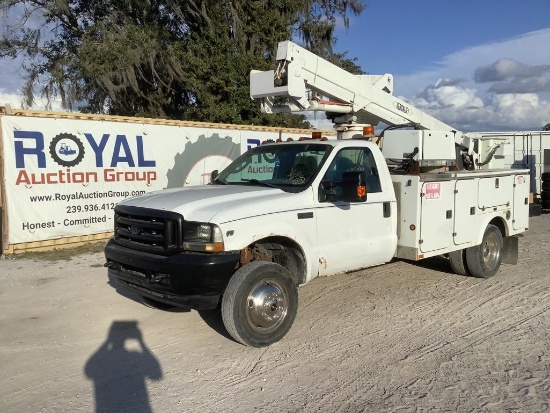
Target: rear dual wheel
458	262
483	260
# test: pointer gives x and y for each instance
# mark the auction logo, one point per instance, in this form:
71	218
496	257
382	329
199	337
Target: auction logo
66	149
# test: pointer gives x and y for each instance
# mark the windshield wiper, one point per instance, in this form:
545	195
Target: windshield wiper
258	182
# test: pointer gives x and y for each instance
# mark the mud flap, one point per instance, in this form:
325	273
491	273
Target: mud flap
510	250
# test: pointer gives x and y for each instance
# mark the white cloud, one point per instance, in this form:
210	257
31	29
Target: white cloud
537	84
498	86
526	108
15	100
447	93
530	49
511	76
460	107
12	99
504	69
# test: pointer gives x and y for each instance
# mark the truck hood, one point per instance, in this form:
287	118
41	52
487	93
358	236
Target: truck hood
221	204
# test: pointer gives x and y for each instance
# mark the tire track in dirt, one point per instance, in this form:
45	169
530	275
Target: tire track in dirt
399	337
470	335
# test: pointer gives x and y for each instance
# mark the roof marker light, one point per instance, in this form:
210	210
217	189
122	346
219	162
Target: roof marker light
368	130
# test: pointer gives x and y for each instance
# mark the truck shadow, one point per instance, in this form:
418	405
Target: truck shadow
439	263
121	290
138	299
213	318
119	370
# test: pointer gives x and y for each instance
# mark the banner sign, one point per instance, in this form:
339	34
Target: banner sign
63	177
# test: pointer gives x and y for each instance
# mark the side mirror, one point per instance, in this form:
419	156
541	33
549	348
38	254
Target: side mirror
326	191
214	174
354	187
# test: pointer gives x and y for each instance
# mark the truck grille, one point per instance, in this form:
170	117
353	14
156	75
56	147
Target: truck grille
150	230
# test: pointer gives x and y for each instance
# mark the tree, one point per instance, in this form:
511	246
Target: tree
164	58
546	127
318	21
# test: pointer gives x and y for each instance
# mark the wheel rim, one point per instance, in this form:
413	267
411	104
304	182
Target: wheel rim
267	305
491	251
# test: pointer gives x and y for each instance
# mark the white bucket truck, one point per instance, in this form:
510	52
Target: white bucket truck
284	213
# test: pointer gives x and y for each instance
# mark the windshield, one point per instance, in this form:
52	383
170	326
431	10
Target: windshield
288	167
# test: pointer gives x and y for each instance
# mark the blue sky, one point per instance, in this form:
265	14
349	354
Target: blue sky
409	36
474	64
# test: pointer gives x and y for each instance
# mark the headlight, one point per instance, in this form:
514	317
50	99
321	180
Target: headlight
202	237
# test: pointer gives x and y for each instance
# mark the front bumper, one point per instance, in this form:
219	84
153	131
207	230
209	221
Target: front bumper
188	280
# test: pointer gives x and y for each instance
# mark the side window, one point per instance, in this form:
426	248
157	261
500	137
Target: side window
371	171
355	159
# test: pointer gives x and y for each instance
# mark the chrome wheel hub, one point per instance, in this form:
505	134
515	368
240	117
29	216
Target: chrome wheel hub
266	305
491	251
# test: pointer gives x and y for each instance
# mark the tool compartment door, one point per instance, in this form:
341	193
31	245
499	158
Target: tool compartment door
495	192
436	222
464	226
520	219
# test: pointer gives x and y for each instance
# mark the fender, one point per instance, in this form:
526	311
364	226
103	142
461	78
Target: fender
502	224
242	233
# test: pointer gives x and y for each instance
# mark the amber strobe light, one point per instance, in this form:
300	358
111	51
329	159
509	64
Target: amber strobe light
368	130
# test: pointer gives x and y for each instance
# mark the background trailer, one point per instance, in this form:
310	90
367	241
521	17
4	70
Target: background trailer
516	150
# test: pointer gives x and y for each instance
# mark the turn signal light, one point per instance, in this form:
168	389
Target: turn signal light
361	190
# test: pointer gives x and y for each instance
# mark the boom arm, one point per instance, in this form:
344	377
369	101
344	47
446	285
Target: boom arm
302	78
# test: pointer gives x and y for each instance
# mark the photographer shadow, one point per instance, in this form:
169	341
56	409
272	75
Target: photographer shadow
120	368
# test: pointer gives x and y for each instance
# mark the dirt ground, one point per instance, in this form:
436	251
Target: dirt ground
395	338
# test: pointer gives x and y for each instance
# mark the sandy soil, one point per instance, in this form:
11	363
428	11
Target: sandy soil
395	338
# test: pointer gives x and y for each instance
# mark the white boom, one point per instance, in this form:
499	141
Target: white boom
302	79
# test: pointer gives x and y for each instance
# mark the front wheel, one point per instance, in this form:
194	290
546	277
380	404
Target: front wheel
259	304
483	260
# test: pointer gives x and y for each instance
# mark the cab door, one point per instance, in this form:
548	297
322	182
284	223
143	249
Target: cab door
353	235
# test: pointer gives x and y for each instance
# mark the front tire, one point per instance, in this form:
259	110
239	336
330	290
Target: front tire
483	260
259	304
